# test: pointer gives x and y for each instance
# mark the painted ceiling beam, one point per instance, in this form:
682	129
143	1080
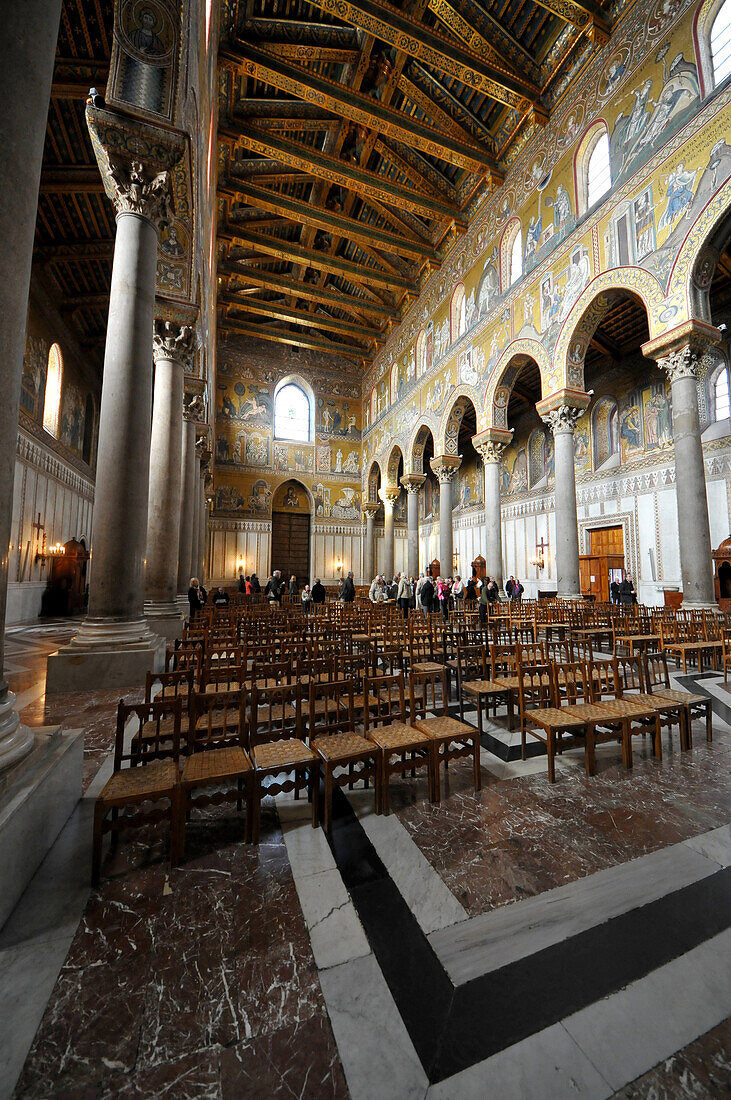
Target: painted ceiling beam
294	288
71	179
281	312
354	105
491	29
439	117
71	252
300	211
285	336
576	12
332	55
455	22
349	176
323	261
386	22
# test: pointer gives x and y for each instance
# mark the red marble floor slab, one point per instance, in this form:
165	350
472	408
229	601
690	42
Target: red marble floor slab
700	1071
199	981
517	838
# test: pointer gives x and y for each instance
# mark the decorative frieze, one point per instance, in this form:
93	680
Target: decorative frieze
32	453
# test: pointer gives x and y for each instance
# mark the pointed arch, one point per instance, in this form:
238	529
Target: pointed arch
507	368
395	457
374	481
446	442
416	445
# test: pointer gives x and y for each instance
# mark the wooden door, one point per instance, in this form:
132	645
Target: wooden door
607	540
433	569
291	545
478	567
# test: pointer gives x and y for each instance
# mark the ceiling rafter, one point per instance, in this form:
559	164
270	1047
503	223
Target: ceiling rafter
295	288
286	336
351	177
351	104
319	319
402	32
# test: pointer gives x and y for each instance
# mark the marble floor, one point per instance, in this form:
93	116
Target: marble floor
531	940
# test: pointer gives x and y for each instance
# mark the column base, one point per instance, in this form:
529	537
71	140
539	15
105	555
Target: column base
166	619
569	596
16	741
36	800
106	654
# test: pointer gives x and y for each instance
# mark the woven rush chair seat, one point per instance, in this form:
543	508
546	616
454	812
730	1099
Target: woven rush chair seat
701	704
345	750
341	746
450	738
158	779
397	736
282	754
443	728
427	666
212	765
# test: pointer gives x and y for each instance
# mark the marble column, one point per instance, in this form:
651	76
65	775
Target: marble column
195	553
192	415
202	522
678	358
389	496
29	47
491	451
370	508
445	467
562	421
115	638
412	483
172	345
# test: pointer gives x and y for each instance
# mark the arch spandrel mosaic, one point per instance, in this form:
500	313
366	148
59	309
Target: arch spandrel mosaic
671	167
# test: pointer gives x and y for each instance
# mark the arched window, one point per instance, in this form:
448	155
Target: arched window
52	400
593	167
516	258
458	313
394	383
420	354
292	413
599	172
722	395
374	405
721	43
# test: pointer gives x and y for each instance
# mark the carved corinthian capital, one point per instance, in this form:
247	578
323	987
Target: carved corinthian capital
491	450
562	419
445	466
679	363
194	408
172	341
139	190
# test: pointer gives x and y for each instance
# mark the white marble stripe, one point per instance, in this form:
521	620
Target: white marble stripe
426	894
23	698
375	1049
335	931
495	939
597	1051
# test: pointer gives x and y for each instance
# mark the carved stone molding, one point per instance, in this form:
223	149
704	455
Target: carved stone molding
389	495
680	363
136	189
194	408
370	507
490	450
171	341
562	419
413	482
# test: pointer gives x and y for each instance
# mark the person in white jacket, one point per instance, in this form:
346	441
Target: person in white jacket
376	593
403	594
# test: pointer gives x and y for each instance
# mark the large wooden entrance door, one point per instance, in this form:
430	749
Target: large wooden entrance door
604	564
291	545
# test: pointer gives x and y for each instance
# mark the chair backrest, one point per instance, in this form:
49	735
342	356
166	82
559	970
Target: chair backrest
570	682
160	722
473	663
656	671
503	661
275	713
534	686
560	651
270	672
223	678
604	680
217	719
330	708
630	672
172	684
392	704
423	692
389	660
530	653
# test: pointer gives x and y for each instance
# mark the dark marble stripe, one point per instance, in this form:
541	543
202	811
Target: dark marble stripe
452	1029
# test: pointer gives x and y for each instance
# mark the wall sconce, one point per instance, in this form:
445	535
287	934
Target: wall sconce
539	557
57	550
339	565
240	564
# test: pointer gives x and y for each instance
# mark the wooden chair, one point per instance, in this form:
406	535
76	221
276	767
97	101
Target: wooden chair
282	761
474	670
556	720
450	737
614	682
696	706
136	780
726	652
534	691
400	746
330	707
669	711
338	747
216	758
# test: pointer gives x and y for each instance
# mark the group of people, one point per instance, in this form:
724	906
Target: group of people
276	587
427	594
623	591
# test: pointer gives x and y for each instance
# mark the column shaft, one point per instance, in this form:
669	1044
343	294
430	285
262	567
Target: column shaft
196	542
567	527
694	536
369	556
412	505
202	529
388	553
446	549
29	46
188	463
493	522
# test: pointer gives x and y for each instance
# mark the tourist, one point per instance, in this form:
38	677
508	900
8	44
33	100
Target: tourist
443	597
417	591
306	599
202	594
194	597
509	585
403	594
347	589
242	582
376	593
627	594
483	603
274	586
249	588
614	591
458	590
255	585
470	593
426	596
292	588
318	592
220	597
518	590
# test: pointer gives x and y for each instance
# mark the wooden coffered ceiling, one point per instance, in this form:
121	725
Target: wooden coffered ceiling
352	139
75	222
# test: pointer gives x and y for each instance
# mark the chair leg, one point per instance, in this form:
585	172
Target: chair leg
249	807
256	816
657	739
589	754
434	765
709	721
312	784
478	773
96	846
177	826
551	750
329	795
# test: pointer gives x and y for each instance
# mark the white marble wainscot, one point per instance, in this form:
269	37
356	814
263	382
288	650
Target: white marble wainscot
492	940
335	931
427	896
